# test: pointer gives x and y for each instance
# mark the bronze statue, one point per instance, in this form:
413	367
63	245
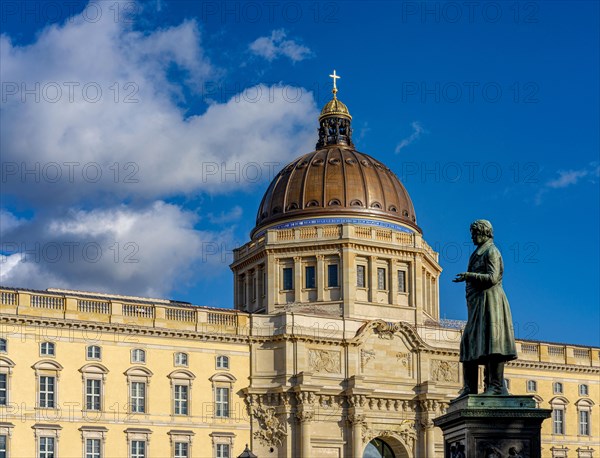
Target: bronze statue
488	338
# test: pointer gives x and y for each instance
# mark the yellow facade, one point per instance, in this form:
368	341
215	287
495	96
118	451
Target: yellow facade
118	329
299	418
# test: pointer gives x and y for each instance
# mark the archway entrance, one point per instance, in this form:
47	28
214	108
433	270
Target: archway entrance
377	448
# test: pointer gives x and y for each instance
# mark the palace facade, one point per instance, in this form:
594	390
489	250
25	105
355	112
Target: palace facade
334	348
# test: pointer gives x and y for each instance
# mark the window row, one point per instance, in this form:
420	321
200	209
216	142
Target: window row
559	423
138	355
333	280
138	446
382	278
557	388
138	381
310	277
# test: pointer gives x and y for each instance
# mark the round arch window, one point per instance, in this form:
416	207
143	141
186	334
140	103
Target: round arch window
378	449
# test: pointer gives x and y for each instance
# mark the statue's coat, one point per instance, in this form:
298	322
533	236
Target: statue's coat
489	330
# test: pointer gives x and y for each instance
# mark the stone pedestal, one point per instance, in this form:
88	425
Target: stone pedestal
479	426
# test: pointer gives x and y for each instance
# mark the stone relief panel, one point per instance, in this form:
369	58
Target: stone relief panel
444	371
503	448
271	431
325	361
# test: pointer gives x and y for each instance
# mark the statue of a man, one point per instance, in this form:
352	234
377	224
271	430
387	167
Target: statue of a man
488	338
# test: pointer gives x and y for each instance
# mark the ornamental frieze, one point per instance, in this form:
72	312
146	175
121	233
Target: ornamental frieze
325	361
365	357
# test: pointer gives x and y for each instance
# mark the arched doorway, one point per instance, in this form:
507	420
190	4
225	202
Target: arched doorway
378	448
386	447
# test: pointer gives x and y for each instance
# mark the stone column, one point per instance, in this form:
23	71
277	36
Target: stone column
320	277
357	420
297	279
417	279
347	274
373	285
259	286
305	418
429	438
272	284
393	286
247	295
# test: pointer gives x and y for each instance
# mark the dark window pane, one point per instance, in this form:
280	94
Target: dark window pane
332	276
287	278
310	276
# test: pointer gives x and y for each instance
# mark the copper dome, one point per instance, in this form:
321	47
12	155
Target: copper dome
336	181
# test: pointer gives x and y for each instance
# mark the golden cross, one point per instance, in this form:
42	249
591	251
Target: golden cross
335	77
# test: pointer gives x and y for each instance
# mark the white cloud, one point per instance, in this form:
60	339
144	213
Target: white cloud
63	153
568	178
133	251
146	149
276	45
417	131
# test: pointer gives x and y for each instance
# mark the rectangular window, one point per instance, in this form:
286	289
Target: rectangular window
558	417
94	352
3	389
360	276
92	394
46	447
264	284
381	278
181	399
222	401
2	345
402	281
138	397
288	280
138	449
583	390
309	277
332	276
47	349
47	392
223	451
3	446
584	423
254	281
181	450
92	448
558	388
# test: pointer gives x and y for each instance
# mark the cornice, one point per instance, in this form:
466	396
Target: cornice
541	365
124	329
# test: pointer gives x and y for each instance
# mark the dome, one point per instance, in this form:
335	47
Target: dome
335	180
335	107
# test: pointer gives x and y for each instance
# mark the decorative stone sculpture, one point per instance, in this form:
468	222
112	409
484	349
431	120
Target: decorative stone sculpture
488	337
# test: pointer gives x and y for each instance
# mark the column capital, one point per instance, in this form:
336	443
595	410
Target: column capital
305	416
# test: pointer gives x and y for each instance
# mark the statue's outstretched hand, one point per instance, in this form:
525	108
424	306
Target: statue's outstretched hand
460	277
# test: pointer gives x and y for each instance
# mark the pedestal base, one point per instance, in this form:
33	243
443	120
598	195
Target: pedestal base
479	426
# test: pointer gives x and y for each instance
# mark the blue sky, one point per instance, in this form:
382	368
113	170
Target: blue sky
138	138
